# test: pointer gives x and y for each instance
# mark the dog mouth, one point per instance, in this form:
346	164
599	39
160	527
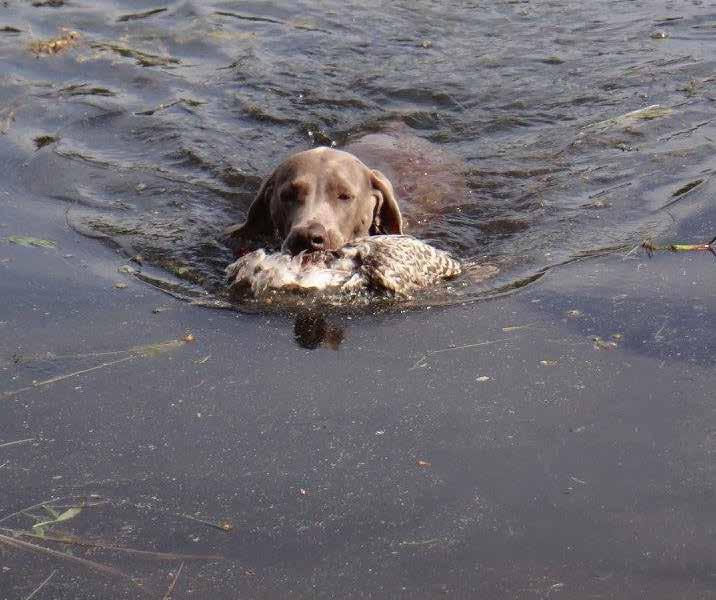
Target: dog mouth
302	242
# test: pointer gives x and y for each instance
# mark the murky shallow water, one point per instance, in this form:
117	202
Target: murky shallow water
162	123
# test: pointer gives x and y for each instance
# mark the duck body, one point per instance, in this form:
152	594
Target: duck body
391	265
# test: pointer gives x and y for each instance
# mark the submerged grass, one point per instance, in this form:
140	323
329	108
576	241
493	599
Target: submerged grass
39	533
144	351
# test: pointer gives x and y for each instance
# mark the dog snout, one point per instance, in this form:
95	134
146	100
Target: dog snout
311	237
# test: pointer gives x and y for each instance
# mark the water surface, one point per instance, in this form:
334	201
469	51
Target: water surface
156	128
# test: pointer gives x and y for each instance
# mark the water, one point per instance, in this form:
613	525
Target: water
164	117
553	443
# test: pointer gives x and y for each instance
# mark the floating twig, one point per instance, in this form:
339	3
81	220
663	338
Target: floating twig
75	559
421	362
42	585
429	542
611	189
651	247
45	382
145	351
168	595
7	444
518	327
77	541
221	525
685	131
162	106
140	15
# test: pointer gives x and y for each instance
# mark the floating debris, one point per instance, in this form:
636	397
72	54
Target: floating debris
143	59
185	101
517	327
601	344
16	442
685	189
145	351
83	89
651	247
140	15
649	113
55	45
28	242
19	544
173	583
45	140
41	526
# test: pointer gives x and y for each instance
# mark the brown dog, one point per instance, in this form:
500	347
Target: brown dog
320	199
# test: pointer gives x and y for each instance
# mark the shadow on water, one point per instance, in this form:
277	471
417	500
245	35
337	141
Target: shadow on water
312	330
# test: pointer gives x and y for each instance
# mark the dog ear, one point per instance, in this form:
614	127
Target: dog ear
258	222
387	217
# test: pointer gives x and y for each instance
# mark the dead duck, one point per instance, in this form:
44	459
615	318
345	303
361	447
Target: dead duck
393	265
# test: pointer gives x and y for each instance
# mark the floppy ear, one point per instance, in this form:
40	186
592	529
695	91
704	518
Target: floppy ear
386	218
258	222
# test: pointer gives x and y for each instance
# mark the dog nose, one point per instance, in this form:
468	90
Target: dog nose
312	237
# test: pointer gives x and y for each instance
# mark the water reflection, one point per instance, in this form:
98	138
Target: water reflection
311	330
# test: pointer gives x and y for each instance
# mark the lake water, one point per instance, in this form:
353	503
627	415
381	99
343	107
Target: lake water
557	442
157	126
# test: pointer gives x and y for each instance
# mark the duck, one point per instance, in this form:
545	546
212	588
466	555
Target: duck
390	265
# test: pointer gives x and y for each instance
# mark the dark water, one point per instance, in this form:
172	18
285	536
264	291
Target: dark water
550	444
164	117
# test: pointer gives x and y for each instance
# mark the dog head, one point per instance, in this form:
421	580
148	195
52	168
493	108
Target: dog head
320	199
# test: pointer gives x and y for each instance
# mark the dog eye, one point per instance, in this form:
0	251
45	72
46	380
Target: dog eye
345	196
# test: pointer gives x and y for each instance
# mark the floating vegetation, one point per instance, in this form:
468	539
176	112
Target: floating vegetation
651	247
649	113
140	15
42	525
83	89
687	188
143	59
145	351
683	190
45	140
185	101
55	45
58	512
21	240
